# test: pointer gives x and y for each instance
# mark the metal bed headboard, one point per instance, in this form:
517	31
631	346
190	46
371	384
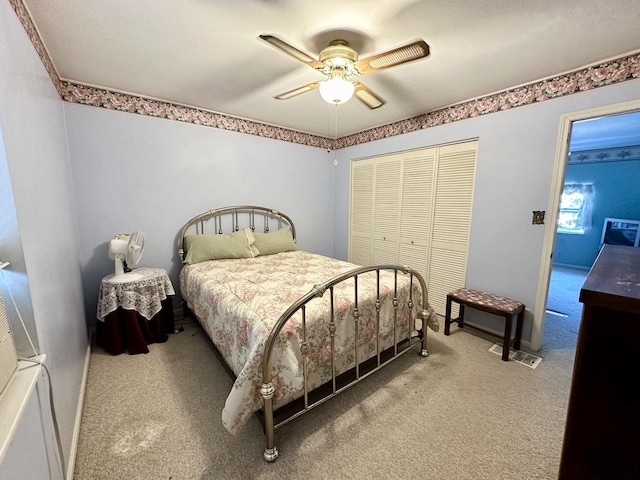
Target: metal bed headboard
232	219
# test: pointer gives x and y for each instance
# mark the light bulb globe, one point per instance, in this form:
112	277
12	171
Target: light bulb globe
336	90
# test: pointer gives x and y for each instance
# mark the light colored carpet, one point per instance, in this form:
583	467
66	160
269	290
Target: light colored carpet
564	292
460	413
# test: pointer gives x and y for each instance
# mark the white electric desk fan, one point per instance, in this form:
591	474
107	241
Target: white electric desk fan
126	249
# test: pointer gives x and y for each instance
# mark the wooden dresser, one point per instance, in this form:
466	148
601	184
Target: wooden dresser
602	433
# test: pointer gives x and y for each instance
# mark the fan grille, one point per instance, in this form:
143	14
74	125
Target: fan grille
400	56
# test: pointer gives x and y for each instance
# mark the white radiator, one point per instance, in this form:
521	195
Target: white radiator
8	357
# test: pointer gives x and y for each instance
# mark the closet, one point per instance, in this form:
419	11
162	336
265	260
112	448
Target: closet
414	208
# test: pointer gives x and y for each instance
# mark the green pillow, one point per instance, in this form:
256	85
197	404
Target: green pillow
201	248
275	242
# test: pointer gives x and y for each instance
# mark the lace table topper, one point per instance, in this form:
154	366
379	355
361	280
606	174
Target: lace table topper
142	290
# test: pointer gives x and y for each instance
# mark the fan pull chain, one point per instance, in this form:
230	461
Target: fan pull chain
330	150
335	140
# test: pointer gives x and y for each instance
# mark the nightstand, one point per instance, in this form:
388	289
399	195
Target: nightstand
135	309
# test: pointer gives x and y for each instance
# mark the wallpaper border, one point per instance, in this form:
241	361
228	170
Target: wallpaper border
99	97
613	154
34	37
604	74
607	73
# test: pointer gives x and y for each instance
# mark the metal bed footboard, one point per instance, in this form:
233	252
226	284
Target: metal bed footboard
400	346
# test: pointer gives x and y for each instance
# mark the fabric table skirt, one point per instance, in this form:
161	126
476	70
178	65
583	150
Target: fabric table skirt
127	330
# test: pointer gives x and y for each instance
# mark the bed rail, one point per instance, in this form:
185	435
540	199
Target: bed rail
361	370
232	219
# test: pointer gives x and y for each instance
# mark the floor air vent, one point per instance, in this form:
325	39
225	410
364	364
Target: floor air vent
524	358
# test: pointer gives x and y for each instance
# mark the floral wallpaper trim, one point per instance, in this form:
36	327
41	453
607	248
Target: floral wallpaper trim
607	73
615	154
32	33
98	97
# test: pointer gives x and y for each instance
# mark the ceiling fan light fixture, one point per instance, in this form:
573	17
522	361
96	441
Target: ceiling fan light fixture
339	61
337	89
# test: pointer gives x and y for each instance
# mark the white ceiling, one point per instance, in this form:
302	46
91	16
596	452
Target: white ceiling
606	132
206	53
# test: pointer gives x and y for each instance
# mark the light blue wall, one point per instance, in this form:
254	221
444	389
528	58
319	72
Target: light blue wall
616	187
132	172
124	172
37	161
13	280
516	154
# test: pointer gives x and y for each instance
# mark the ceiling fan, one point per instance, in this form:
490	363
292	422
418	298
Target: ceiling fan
339	61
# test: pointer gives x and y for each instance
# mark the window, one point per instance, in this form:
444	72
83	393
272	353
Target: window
575	208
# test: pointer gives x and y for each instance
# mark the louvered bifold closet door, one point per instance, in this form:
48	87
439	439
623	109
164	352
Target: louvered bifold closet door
361	222
416	211
386	208
451	221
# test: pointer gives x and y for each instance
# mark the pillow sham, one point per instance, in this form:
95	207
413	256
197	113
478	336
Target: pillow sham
201	248
275	242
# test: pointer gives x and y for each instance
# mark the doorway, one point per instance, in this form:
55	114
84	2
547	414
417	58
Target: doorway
569	124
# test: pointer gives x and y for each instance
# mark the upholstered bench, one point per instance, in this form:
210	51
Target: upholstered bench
490	303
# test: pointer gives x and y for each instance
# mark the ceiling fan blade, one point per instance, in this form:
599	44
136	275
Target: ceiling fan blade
298	91
397	56
293	51
367	97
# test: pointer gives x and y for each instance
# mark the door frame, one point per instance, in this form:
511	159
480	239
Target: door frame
557	183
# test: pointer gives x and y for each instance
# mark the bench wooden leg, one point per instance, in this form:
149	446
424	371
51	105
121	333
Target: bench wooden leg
506	343
447	317
520	321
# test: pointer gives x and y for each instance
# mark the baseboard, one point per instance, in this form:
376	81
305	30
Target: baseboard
526	344
71	464
179	310
575	267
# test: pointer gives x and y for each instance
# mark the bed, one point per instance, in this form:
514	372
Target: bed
291	327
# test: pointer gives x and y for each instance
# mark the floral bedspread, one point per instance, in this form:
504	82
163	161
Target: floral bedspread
239	301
